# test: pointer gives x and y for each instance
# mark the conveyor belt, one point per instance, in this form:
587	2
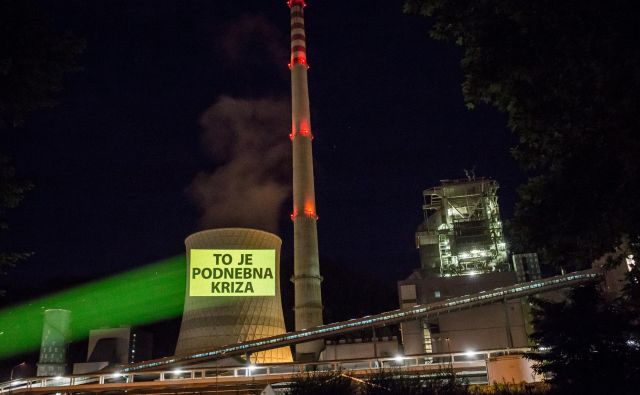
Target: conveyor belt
377	320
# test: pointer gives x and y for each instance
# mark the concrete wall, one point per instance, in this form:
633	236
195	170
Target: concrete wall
480	328
509	369
385	348
121	338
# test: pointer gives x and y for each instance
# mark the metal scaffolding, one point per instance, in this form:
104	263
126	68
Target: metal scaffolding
462	233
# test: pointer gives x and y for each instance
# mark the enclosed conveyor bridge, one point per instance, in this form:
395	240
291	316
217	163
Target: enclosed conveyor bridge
387	318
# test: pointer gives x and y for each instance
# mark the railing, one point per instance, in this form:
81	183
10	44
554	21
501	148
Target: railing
468	363
131	372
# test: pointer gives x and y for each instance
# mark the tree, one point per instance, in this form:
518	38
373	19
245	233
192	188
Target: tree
586	344
321	383
11	194
33	62
567	74
392	382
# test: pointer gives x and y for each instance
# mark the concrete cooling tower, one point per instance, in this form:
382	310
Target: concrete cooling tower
56	332
217	319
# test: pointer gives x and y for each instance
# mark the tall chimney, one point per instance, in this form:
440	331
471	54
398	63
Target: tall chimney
306	270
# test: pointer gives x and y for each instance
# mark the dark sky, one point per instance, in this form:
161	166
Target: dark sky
114	163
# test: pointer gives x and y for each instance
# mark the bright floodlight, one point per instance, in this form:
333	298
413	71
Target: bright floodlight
116	374
177	371
398	358
469	353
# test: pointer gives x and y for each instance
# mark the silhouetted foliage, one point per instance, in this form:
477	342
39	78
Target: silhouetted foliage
567	75
33	62
397	382
322	383
630	297
587	344
511	389
11	194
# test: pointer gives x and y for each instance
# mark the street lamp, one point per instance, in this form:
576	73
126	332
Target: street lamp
12	369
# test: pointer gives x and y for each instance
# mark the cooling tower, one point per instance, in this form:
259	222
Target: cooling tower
56	329
213	321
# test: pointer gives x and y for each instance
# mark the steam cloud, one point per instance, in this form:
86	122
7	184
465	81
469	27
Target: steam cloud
248	136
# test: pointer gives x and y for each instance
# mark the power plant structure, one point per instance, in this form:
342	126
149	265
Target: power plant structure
213	321
306	271
210	322
115	346
56	335
462	233
462	250
464	300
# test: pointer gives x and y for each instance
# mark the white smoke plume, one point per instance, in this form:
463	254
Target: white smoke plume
249	138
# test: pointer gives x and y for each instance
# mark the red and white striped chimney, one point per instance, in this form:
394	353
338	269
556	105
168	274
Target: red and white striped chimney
306	277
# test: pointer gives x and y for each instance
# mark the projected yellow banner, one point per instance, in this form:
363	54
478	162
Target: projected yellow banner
232	273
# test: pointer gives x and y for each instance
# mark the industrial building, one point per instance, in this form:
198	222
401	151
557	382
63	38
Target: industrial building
210	322
115	346
462	251
360	348
494	326
461	232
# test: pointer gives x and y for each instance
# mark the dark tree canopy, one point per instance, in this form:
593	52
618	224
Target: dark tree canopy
587	344
33	60
11	194
567	74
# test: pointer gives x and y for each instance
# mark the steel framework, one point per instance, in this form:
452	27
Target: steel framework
462	232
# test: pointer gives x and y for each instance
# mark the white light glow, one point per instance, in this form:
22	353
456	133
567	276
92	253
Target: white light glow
398	358
631	263
469	353
177	371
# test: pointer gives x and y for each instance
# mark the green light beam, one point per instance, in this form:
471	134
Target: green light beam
152	293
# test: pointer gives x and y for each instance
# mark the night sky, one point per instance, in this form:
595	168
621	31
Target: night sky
114	163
